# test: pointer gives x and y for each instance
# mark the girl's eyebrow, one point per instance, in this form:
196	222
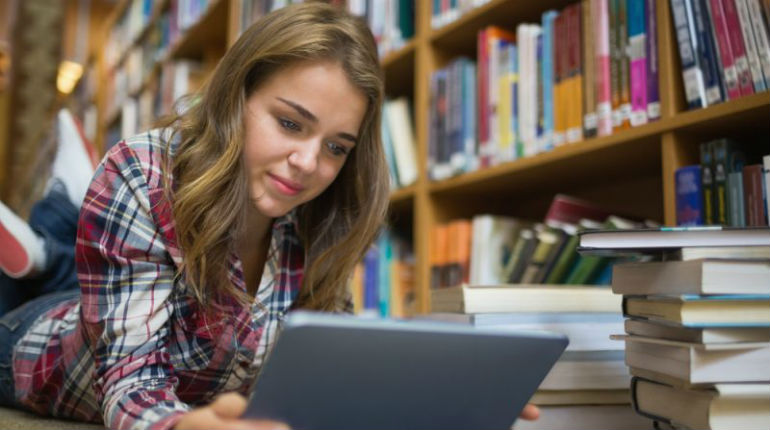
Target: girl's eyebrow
310	117
300	109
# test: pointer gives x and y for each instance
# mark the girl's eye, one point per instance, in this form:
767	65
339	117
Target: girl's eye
289	124
338	150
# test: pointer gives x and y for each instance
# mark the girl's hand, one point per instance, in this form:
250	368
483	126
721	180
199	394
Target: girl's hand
224	414
530	412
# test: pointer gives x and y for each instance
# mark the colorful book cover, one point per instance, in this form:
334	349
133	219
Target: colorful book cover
624	71
692	75
599	9
637	52
651	51
724	50
734	33
754	196
722	151
689	196
760	37
560	80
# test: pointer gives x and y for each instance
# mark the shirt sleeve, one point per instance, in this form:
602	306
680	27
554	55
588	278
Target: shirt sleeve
127	277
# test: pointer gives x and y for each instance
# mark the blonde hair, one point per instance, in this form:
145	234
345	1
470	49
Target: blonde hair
211	190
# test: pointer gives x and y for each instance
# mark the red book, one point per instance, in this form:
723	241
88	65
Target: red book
752	193
740	58
570	210
719	25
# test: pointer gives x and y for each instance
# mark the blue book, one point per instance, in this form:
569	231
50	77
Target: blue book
383	273
469	114
547	77
371	279
707	54
689	196
692	76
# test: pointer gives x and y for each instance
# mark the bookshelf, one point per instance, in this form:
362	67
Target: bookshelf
631	171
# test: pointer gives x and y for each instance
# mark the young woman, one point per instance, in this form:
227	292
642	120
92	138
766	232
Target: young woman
194	240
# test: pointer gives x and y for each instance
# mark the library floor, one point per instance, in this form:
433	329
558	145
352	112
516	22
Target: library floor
11	419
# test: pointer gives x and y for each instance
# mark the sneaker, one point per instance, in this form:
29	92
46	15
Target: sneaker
75	160
21	249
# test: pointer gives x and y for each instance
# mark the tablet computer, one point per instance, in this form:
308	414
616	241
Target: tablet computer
344	372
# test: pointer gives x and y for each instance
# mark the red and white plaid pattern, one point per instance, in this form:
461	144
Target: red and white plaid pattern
137	350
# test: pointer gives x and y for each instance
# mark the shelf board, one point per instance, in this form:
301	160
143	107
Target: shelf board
626	153
460	34
393	58
210	29
401	195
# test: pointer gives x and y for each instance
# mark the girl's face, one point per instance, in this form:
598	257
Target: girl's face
300	126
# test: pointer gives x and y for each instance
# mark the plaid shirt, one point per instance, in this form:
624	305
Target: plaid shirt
137	350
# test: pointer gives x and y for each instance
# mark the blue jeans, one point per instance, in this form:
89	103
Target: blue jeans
55	218
22	301
13	326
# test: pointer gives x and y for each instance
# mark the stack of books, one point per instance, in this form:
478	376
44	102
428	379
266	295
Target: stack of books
697	333
588	387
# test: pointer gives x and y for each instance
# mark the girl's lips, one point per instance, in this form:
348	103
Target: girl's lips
285	186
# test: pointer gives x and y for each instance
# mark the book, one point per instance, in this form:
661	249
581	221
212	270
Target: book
760	37
670	331
694	363
656	239
601	20
707	52
581	397
754	201
587	331
738	46
588	46
689	196
707	182
492	244
637	52
703	276
692	75
588	370
586	417
725	56
752	54
651	48
524	298
702	311
720	252
566	209
724	406
766	174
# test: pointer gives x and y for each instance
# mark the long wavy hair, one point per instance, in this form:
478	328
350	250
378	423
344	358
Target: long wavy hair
210	188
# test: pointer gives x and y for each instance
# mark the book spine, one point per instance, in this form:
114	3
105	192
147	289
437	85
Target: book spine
734	32
689	201
469	114
754	201
651	50
589	79
547	78
483	97
750	44
707	175
761	37
625	86
602	70
541	144
721	149
707	53
766	174
614	6
560	121
637	44
724	50
575	116
692	76
737	215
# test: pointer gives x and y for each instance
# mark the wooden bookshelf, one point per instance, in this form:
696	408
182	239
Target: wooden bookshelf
630	171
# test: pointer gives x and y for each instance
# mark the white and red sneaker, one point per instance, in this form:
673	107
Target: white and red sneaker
22	251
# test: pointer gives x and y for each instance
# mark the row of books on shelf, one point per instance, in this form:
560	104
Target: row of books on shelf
126	78
723	48
383	283
728	187
494	249
177	79
590	69
697	332
695	309
444	12
391	21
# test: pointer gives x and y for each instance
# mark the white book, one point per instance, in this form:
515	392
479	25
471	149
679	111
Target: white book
493	238
761	37
588	370
586	417
402	135
669	331
755	67
692	277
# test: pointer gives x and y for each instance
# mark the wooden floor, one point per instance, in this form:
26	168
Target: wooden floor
11	419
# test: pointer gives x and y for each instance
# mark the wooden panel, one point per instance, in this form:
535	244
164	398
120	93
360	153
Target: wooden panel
399	68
